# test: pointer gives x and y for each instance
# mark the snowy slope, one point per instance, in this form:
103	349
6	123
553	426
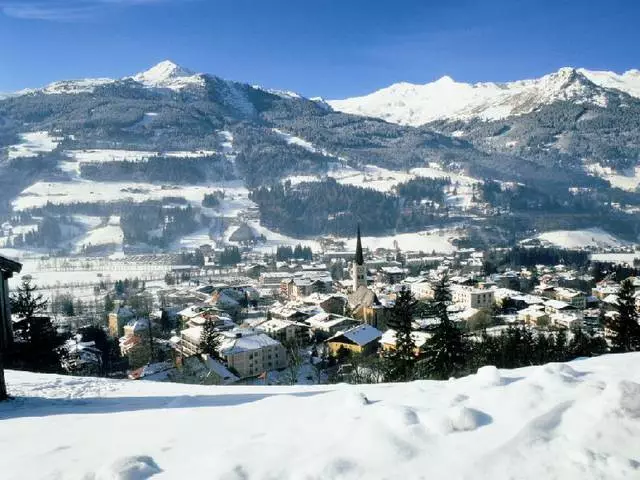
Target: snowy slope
166	74
628	82
592	237
560	421
410	104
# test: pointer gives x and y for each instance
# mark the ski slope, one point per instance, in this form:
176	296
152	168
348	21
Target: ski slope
588	238
560	421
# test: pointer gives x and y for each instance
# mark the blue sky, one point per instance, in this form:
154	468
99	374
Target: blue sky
330	48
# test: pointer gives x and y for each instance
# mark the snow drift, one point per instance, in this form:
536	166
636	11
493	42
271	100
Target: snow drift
559	421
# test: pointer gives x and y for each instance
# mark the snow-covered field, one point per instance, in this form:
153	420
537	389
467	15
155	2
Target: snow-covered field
459	194
33	144
109	234
589	238
628	180
560	421
38	194
427	241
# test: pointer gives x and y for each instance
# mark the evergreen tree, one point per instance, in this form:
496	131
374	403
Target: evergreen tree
165	321
109	304
39	346
25	303
625	327
209	339
446	351
401	360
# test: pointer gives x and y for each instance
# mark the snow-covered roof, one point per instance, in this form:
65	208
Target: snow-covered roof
360	335
237	341
419	338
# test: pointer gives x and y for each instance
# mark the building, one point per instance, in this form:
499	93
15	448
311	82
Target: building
391	275
572	297
7	269
286	331
249	353
307	284
118	319
362	339
359	269
388	341
473	297
325	325
366	307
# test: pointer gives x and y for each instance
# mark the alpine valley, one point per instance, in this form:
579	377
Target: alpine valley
140	163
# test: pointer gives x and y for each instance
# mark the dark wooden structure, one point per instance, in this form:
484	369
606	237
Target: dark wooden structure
7	269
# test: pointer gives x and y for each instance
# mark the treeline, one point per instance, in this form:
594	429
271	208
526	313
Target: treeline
161	169
285	253
421	188
317	208
530	257
230	256
47	235
157	225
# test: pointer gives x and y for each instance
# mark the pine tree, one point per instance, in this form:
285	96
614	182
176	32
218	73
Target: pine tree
25	303
401	360
209	339
447	350
625	327
39	348
165	321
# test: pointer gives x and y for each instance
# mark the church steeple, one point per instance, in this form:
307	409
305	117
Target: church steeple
358	269
359	255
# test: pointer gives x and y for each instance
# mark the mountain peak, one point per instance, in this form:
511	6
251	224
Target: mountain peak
163	71
445	79
168	74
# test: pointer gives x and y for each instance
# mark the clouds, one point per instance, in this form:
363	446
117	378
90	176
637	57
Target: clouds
68	10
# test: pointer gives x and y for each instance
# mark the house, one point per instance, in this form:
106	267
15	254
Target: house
329	302
572	297
249	353
272	280
7	269
362	339
557	306
388	340
286	331
391	275
328	324
203	370
118	319
534	315
422	288
468	297
303	285
567	320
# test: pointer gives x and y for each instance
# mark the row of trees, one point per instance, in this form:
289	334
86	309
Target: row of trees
285	253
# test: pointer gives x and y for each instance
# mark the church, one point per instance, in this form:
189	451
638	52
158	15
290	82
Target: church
363	302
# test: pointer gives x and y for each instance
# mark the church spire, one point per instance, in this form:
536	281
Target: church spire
359	255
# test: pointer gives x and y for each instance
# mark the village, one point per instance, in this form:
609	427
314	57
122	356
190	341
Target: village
307	318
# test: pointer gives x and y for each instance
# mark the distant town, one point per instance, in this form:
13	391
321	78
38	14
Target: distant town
301	317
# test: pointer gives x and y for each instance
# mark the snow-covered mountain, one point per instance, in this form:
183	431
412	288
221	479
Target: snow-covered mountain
579	420
165	74
169	75
446	99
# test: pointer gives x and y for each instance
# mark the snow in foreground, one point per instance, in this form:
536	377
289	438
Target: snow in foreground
579	420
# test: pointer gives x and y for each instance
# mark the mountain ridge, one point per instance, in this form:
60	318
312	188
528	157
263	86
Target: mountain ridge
446	99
